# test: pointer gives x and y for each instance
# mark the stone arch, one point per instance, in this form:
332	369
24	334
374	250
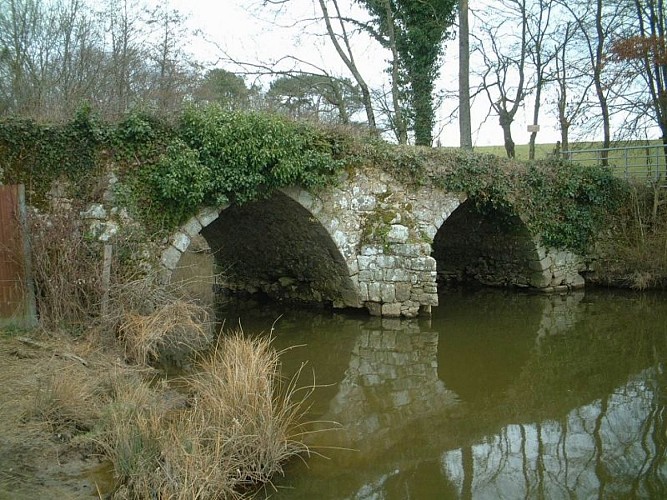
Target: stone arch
496	249
276	246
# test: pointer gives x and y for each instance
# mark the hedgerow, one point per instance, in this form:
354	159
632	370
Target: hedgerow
207	156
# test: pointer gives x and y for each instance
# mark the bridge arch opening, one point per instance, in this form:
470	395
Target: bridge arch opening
276	248
490	247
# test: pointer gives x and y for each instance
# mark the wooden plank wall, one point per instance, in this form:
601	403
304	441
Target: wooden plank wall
17	304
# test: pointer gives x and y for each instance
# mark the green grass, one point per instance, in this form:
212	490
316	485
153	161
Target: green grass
629	159
521	150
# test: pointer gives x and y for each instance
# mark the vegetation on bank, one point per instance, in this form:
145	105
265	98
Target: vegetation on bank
219	428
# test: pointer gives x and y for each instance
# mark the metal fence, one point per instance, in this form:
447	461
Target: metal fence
631	162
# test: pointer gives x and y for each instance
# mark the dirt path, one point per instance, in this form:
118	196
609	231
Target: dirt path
39	459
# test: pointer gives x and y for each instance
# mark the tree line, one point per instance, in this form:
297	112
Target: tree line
596	68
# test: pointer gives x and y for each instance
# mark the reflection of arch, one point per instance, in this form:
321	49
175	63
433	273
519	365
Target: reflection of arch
275	246
506	321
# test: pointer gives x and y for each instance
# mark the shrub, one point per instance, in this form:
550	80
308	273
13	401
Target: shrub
66	269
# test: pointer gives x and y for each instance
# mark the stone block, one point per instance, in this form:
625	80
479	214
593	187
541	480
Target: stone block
192	227
429	299
363	291
207	215
95	211
430	264
306	199
391	310
374	308
364	262
170	258
364	203
540	279
402	291
365	275
388	292
540	265
395	275
374	292
181	241
398	234
372	250
340	238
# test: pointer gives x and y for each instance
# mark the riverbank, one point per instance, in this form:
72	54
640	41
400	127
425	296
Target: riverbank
39	459
90	417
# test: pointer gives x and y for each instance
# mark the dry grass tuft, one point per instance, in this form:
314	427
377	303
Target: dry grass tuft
240	426
238	389
129	431
175	329
67	400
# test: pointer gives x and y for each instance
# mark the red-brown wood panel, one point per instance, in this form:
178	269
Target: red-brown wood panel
14	297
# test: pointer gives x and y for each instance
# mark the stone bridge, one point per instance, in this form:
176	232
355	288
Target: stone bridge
368	242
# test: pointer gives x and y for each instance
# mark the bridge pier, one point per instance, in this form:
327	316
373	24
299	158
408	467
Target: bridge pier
397	280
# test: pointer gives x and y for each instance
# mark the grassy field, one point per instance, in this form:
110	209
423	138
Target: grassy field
637	160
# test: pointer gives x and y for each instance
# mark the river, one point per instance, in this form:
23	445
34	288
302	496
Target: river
498	394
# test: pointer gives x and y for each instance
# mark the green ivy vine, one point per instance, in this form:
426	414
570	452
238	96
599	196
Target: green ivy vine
209	156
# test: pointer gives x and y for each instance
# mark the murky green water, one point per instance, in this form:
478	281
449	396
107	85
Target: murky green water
497	395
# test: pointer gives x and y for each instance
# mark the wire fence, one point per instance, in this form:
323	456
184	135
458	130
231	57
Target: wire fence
631	162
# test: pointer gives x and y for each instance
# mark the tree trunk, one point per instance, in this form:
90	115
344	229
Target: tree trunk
400	125
505	120
465	125
599	88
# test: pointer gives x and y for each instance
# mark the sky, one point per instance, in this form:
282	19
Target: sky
247	31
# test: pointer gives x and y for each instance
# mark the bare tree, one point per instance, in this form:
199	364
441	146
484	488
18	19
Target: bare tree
644	48
597	22
504	66
346	54
538	25
172	66
573	82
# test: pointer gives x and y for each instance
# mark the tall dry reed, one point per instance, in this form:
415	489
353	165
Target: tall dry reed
239	427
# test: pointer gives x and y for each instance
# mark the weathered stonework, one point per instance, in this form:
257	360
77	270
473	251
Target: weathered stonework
370	241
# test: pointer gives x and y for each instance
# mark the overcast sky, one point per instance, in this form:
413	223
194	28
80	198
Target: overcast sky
248	32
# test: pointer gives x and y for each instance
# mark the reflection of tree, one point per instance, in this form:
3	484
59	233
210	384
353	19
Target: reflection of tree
611	448
525	438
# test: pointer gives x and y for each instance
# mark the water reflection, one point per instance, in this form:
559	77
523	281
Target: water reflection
611	448
499	395
391	380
